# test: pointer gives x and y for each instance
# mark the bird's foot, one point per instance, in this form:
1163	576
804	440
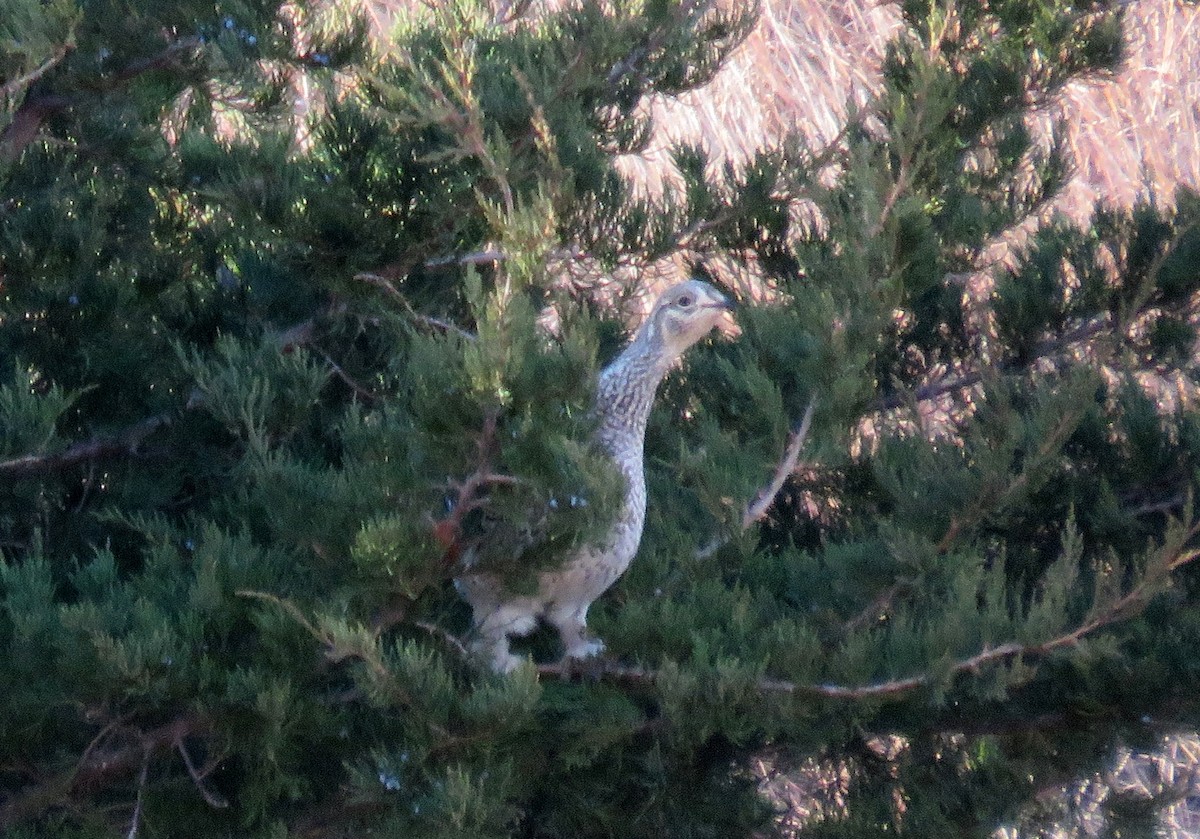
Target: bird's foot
508	662
495	654
588	648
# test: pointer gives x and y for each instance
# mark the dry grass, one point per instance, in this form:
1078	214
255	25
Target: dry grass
1132	134
804	64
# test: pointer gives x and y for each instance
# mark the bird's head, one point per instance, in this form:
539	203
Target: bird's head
684	314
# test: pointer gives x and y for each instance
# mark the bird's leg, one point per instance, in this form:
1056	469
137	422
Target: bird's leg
571	622
490	638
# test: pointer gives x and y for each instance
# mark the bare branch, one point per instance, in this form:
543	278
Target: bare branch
467	492
126	442
136	819
878	608
485	257
96	769
14	85
448	638
349	381
762	502
787	466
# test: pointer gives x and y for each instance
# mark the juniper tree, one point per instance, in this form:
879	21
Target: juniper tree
267	367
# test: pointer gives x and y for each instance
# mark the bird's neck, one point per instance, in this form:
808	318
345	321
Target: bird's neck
625	392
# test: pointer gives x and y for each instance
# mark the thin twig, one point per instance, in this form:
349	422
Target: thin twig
393	292
110	727
1166	505
345	377
448	638
96	770
765	497
215	801
467	492
136	819
877	608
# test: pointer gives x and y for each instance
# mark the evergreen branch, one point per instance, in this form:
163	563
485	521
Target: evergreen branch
987	504
971	378
974	514
787	466
336	652
126	442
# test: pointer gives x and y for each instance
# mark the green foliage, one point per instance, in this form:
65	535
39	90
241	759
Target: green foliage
272	367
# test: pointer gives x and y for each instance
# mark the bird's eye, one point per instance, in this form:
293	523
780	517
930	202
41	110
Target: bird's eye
684	301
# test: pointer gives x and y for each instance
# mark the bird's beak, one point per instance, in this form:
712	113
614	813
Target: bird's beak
727	323
725	304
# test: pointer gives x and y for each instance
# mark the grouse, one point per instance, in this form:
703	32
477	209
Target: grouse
681	316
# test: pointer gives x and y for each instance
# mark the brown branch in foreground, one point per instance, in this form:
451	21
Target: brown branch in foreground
1120	609
126	442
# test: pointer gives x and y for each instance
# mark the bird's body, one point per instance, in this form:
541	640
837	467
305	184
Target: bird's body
624	395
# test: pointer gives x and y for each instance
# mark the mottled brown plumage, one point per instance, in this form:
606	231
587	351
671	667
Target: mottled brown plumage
624	395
